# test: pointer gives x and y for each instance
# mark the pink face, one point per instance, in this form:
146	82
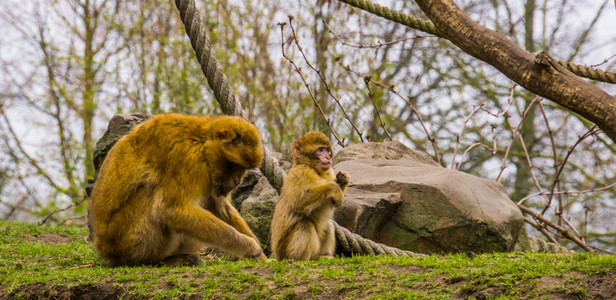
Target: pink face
233	181
323	155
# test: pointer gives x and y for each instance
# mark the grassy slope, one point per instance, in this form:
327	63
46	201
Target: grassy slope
57	262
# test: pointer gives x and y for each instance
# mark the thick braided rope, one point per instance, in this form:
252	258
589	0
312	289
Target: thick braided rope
588	72
428	27
211	68
206	56
352	243
217	80
393	15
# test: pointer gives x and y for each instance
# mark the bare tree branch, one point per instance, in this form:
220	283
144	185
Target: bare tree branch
566	233
299	71
540	74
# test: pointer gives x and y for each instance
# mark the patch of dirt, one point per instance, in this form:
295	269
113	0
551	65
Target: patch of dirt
86	292
601	286
260	271
47	237
489	293
405	269
594	286
584	286
572	285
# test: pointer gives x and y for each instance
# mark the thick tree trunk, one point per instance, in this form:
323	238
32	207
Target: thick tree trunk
540	74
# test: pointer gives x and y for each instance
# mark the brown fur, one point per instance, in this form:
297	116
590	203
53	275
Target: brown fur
302	227
163	191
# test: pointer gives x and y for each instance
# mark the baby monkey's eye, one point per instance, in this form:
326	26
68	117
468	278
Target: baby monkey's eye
323	149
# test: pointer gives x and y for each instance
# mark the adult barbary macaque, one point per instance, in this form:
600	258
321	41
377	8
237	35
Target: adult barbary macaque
163	191
302	227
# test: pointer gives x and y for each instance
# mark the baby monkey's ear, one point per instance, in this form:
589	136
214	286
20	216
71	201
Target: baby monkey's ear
296	149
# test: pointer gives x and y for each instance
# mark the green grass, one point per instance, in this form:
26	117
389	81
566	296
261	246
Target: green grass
41	261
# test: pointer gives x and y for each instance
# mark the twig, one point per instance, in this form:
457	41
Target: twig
530	165
376	46
565	233
560	217
325	85
515	132
592	190
603	62
553	144
558	212
560	167
13	207
298	70
408	102
455	150
23	152
376	108
63	209
542	228
504	112
70	219
469	149
592	131
603	250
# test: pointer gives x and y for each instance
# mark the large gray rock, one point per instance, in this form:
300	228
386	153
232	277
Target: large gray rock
532	244
258	210
414	204
392	150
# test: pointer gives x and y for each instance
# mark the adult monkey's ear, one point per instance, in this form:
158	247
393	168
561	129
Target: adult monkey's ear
223	135
296	149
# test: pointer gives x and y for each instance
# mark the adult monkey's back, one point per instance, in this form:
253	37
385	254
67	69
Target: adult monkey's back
162	192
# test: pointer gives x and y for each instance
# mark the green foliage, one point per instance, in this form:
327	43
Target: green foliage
35	260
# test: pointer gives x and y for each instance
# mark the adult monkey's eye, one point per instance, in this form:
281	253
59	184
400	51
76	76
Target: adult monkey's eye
238	141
